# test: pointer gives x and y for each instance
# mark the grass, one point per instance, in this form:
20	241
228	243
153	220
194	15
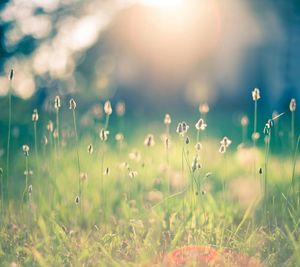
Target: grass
149	204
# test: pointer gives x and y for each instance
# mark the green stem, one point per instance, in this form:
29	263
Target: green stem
78	161
294	163
57	127
293	131
35	147
8	140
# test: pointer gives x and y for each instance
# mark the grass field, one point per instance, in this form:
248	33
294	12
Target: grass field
97	199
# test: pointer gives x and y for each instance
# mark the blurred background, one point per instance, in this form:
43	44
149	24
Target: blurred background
156	55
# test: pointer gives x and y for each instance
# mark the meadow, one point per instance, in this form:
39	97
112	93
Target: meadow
96	191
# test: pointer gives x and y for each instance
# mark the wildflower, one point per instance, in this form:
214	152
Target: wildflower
107	171
198	146
203	108
107	108
77	200
45	140
35	115
135	155
195	165
149	141
133	174
103	135
72	104
244	120
90	149
50	126
225	142
28	173
57	103
11	75
255	94
120	109
119	137
83	176
187	140
293	105
255	136
222	149
55	133
200	125
182	128
25	150
167	120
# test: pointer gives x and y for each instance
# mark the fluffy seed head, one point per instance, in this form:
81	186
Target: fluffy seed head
149	141
167	120
200	125
55	133
30	189
50	126
107	108
45	140
255	94
120	109
106	171
293	105
182	128
222	149
57	103
244	121
225	142
119	137
132	174
35	115
255	136
203	108
83	176
77	200
72	104
25	150
103	135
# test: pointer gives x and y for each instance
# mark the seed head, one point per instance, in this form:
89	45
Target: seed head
255	136
260	171
203	108
120	109
83	176
167	120
30	189
72	104
107	108
45	140
255	94
103	135
55	133
135	155
268	126
195	165
149	141
222	149
119	137
77	200
225	142
200	125
198	146
11	75
57	103
132	174
90	149
293	105
187	140
182	128
25	150
35	115
50	126
106	171
244	121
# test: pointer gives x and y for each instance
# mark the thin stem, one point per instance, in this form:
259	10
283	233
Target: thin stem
2	190
293	131
35	145
57	126
8	140
26	178
77	152
106	122
294	163
267	150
